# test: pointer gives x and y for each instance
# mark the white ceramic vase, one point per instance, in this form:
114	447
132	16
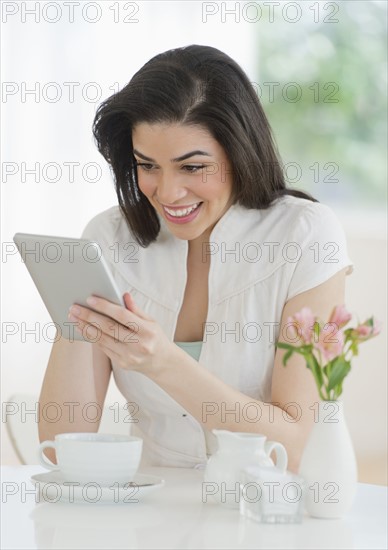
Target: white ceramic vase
328	464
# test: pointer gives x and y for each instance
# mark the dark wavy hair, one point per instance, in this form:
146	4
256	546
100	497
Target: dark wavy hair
193	85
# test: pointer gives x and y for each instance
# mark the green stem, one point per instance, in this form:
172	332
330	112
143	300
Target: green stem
323	376
351	353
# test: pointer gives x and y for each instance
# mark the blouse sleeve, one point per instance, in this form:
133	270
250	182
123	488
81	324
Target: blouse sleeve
103	229
319	249
92	230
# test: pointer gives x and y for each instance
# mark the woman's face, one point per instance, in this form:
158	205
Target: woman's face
180	166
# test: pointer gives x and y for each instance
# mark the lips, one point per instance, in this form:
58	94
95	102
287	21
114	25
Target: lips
181	211
183	219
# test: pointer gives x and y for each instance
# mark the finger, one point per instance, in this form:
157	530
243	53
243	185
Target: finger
114	311
94	326
110	352
117	312
88	319
117	353
91	331
131	305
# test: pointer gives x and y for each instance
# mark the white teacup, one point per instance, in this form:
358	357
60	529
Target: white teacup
94	457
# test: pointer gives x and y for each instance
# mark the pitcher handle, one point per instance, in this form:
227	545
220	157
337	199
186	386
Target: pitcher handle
280	451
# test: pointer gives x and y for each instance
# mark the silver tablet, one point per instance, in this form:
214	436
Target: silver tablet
66	271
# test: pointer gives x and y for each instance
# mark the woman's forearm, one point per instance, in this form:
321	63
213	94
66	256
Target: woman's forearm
216	405
73	390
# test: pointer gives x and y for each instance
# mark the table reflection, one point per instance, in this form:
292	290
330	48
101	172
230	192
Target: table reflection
217	528
145	525
79	526
141	525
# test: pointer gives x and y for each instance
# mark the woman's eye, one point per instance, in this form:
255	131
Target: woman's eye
145	166
193	168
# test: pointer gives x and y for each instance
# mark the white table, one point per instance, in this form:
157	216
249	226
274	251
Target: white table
175	516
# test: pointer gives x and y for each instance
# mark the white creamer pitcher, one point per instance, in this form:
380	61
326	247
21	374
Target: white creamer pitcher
236	451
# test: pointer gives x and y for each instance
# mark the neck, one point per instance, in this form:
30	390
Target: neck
197	247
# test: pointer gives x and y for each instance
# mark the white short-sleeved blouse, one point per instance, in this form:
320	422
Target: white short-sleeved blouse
259	259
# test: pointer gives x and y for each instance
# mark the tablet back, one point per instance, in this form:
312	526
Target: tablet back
66	271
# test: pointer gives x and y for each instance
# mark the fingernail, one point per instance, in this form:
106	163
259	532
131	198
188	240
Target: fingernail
75	310
91	301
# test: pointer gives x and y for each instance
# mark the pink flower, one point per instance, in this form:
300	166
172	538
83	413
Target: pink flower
363	330
302	325
368	329
322	344
377	326
330	342
340	316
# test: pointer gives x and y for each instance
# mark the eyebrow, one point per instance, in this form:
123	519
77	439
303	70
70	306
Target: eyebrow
178	159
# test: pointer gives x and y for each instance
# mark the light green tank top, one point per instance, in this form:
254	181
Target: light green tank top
194	350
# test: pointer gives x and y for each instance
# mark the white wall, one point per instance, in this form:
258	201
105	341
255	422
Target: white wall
365	389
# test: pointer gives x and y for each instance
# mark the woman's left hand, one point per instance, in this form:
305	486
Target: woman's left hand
129	337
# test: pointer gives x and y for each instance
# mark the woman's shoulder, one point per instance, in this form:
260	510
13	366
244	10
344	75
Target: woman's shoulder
284	215
107	224
291	206
307	215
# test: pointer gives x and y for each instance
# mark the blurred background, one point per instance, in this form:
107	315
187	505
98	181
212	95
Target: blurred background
320	71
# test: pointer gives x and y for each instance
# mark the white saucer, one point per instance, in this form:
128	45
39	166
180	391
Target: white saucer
54	488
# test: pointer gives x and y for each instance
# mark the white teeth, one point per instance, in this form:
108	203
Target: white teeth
181	213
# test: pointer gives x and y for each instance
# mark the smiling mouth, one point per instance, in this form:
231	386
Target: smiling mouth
181	212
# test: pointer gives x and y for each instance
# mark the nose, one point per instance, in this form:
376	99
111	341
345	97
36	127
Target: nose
170	190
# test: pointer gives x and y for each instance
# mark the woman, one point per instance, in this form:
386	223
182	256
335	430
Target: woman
213	254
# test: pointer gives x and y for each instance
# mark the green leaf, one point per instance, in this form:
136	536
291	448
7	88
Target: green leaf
339	370
315	368
354	348
316	331
290	350
327	369
283	345
306	349
338	390
287	356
